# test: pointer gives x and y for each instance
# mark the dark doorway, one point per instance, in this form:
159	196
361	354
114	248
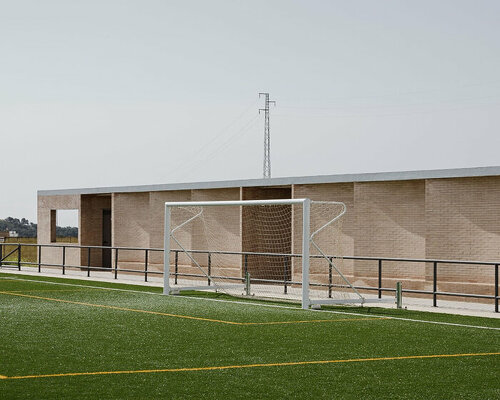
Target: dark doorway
106	238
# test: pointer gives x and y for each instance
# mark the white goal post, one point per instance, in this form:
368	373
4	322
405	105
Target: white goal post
286	248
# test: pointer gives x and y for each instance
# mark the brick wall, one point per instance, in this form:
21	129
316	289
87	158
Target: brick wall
329	241
131	226
390	222
46	204
462	219
456	218
224	231
157	221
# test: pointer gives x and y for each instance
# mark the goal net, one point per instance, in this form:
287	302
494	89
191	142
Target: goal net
276	249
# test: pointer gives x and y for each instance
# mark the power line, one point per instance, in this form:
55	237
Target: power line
202	160
213	140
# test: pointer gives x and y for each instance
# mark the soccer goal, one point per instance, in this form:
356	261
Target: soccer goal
287	249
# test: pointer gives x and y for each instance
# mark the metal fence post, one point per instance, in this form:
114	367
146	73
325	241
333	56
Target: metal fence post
146	266
496	287
39	258
176	266
209	267
399	295
434	284
63	259
330	277
380	278
1	253
19	257
247	283
88	262
245	264
285	276
116	263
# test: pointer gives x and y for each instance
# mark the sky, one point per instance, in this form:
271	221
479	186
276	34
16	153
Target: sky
130	92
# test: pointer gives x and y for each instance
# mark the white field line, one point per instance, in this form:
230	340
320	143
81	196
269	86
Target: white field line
262	304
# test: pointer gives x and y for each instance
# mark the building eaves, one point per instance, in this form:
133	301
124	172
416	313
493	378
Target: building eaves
317	179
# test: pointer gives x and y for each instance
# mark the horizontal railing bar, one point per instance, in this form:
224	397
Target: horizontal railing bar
422	260
204	276
416	291
419	260
140	271
85	268
77	246
476	296
242	253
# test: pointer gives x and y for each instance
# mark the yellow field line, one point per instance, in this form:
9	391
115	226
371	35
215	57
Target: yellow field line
120	308
224	367
184	316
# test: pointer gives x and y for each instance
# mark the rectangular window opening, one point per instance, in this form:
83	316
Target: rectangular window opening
64	226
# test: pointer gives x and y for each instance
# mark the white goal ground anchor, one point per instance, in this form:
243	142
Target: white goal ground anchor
225	245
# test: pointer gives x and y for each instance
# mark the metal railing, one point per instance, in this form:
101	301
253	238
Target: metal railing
11	257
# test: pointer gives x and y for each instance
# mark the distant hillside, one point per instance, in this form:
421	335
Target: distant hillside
24	228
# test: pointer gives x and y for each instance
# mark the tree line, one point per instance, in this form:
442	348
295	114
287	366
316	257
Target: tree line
25	228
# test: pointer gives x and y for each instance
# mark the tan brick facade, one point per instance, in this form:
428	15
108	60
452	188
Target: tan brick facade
390	219
46	208
448	218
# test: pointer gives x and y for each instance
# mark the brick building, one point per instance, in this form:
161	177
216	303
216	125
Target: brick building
444	214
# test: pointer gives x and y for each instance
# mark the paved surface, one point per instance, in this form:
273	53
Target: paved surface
410	303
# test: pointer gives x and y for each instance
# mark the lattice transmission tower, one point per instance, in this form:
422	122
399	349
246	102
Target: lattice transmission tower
267	135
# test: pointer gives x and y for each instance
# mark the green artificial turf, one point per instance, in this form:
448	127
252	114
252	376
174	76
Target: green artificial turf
39	336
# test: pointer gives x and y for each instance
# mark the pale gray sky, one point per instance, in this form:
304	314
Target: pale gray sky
104	93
